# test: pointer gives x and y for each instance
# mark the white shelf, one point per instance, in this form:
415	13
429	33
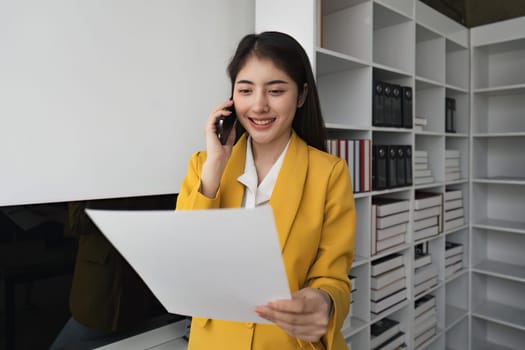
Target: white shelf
505	180
500	270
498	134
509	316
329	61
485	345
355	326
501	90
359	260
500	225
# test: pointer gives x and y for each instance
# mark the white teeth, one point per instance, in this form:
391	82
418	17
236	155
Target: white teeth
262	122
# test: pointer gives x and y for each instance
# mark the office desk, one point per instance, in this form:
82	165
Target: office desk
162	338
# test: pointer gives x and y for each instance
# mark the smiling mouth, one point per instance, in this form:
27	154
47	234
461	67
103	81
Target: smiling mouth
262	121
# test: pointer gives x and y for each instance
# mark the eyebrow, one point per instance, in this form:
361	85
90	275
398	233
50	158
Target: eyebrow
271	82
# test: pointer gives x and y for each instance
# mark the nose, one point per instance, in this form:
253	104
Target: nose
260	103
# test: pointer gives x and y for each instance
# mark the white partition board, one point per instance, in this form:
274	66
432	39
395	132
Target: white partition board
108	98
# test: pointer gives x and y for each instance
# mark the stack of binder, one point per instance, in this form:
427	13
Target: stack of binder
357	154
391	105
422	256
352	293
428	211
454	213
389	224
420	123
388	283
391	166
453	258
452	165
425	319
425	278
422	172
386	334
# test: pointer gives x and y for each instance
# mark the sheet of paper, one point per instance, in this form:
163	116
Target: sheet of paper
217	264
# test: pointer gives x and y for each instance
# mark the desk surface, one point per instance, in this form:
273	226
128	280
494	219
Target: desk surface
162	338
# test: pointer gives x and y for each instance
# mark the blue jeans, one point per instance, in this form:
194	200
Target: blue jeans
77	336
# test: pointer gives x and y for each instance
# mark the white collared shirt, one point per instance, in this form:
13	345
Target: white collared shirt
258	195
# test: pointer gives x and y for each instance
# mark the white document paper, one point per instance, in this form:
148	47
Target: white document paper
217	264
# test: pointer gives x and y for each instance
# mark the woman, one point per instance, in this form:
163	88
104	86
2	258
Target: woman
276	157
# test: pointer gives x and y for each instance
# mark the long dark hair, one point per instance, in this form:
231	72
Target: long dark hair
287	54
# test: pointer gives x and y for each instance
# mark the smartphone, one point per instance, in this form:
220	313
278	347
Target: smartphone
224	125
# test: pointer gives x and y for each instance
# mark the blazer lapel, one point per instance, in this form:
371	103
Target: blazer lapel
288	191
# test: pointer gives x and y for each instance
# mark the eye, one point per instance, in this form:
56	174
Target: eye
244	91
276	92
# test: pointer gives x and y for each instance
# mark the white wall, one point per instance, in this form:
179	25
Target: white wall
108	98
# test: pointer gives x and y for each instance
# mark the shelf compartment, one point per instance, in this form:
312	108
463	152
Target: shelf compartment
487	335
498	157
457	65
393	44
499	254
362	238
359	340
430	54
429	100
435	147
404	7
344	23
353	326
462	146
455	338
498	300
360	306
500	202
462	110
499	111
461	237
499	64
457	299
341	102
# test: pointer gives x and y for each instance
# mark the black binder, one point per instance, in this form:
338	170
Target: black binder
391	160
378	103
400	166
387	104
379	167
397	118
406	106
450	109
408	165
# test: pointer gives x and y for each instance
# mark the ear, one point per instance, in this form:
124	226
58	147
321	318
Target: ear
302	96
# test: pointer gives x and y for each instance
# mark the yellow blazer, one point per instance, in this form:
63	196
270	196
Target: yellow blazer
314	212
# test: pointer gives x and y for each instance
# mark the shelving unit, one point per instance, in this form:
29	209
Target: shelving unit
498	185
405	42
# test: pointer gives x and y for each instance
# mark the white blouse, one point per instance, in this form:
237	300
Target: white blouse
258	195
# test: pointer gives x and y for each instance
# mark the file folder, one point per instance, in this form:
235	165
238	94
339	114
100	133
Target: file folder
406	106
378	104
391	160
387	105
379	167
408	165
397	119
400	166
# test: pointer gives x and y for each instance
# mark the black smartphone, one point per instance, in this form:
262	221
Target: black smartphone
224	125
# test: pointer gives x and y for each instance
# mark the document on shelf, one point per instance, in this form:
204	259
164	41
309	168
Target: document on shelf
217	263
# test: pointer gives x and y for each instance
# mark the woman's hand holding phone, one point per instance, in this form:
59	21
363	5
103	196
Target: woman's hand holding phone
217	153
